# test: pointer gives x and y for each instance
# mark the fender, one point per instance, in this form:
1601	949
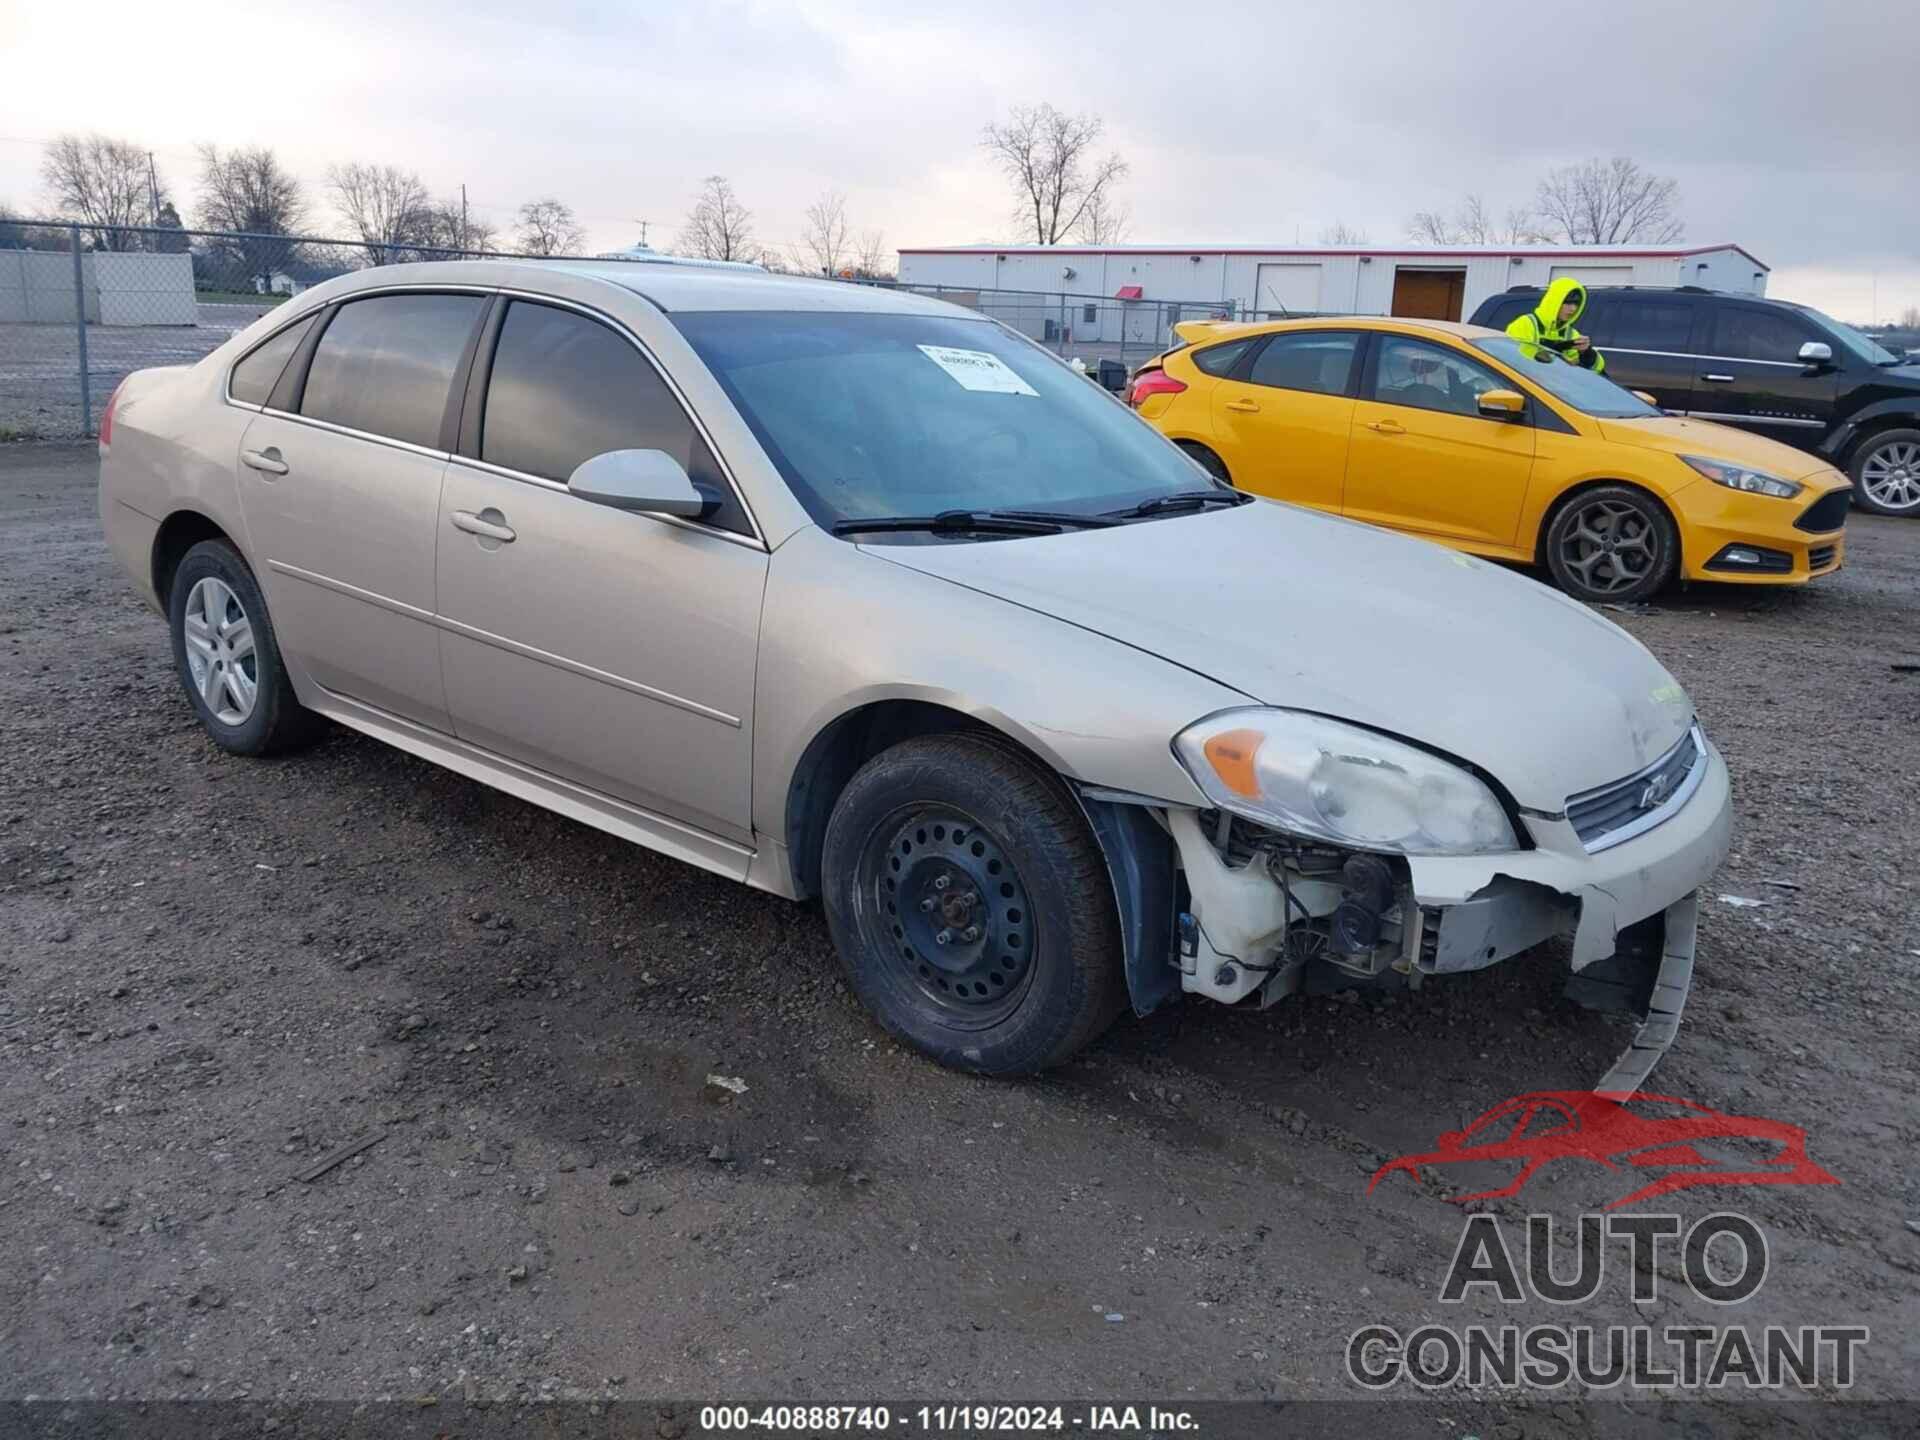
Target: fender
1900	407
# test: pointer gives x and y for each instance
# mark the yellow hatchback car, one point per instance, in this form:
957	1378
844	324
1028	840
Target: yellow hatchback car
1469	437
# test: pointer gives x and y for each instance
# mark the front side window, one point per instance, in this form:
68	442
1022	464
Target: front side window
1578	386
1743	334
565	388
1316	361
254	377
384	365
1426	377
874	415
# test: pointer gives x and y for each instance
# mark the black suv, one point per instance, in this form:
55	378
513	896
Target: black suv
1775	368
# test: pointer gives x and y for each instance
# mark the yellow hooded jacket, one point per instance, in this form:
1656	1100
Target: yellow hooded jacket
1541	327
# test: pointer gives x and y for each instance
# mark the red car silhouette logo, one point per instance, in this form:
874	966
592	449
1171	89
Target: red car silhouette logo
1683	1143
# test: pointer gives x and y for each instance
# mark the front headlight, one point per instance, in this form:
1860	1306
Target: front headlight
1328	781
1738	477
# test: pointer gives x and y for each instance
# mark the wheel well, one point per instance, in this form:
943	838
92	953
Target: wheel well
838	751
179	533
1868	429
1553	510
1192	446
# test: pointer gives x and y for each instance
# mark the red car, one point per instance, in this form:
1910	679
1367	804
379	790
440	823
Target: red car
1686	1144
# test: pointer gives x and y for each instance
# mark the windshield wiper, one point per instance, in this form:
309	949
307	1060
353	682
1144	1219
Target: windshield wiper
951	522
1181	500
1057	517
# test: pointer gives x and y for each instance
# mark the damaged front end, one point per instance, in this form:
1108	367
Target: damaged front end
1270	913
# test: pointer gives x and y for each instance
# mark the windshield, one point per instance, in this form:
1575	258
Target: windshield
1862	345
880	415
1587	392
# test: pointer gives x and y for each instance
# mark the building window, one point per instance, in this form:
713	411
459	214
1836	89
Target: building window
1090	314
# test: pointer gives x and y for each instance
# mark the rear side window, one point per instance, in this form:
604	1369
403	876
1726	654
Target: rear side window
565	388
1745	334
1317	361
1219	359
255	376
384	365
1647	325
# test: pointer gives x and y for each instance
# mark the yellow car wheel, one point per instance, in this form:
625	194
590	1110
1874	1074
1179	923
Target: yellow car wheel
1612	544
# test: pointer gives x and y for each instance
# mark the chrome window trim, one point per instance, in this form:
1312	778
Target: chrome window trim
1706	359
1752	419
1660	814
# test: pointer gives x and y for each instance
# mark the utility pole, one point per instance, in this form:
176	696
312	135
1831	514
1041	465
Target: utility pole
643	230
153	192
465	233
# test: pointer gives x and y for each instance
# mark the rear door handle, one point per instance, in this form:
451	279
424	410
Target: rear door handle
1719	379
266	461
486	529
1386	427
1245	407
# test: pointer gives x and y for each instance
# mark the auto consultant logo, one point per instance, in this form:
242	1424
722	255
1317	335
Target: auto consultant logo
1657	1144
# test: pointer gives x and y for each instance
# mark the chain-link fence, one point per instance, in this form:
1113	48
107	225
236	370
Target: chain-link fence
82	306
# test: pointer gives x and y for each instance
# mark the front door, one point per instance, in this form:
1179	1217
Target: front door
1755	379
341	492
1282	418
611	649
1423	457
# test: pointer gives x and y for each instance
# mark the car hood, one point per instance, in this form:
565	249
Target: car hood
1679	436
1305	611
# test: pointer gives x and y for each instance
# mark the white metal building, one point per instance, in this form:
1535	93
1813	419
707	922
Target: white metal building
1272	281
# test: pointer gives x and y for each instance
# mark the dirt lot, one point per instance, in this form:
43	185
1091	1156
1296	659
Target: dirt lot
213	972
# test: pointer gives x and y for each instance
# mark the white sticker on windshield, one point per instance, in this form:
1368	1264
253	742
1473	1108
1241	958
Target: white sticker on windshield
978	370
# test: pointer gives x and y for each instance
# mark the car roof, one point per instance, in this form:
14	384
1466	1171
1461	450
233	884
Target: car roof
670	287
1389	323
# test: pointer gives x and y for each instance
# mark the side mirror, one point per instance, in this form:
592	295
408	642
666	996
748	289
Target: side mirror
1816	352
1503	404
1645	399
647	480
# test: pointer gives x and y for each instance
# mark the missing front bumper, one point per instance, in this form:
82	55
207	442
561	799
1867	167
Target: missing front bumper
1648	975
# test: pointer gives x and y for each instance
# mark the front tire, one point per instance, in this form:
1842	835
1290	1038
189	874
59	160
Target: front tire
1612	544
228	657
971	906
1886	473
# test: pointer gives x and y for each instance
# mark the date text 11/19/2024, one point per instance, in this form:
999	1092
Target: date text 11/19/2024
947	1419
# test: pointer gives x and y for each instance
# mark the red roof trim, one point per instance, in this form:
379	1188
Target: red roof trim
1485	252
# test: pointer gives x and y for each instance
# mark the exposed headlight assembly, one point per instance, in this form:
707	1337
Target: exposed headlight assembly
1328	781
1738	477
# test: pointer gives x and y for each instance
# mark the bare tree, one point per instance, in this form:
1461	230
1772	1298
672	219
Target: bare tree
875	259
826	241
109	184
253	198
1473	224
719	227
1341	233
1048	159
450	226
548	227
1105	220
1910	318
387	207
1610	202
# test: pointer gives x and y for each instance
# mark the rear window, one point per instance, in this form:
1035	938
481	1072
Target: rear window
1503	310
254	377
1646	324
1219	359
384	365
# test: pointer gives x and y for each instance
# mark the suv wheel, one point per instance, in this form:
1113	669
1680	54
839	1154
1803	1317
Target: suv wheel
971	906
1613	544
1886	473
228	658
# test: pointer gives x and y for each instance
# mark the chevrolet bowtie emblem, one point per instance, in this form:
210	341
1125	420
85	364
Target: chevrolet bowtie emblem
1654	792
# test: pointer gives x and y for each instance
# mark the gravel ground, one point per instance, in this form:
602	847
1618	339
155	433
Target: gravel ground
214	972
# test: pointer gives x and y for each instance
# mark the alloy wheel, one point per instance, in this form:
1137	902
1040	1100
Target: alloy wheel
1609	546
1891	475
220	652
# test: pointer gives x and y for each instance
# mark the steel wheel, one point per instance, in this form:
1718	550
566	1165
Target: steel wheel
1609	546
1890	476
220	652
955	911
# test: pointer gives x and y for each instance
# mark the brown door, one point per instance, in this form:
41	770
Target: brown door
1429	294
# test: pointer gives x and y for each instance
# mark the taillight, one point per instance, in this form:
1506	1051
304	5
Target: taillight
106	415
1149	383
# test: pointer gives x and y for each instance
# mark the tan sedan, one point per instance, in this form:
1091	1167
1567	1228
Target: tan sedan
846	593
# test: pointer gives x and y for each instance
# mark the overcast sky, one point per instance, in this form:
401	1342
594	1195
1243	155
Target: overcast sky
1791	127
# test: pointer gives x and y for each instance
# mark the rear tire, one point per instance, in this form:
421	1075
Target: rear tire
1886	473
971	906
1206	459
228	657
1612	544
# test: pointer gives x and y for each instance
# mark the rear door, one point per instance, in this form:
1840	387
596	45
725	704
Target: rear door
1753	376
1283	413
1424	458
339	480
1649	341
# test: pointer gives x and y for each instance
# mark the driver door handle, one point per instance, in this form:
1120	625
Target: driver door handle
1245	407
1387	427
471	523
267	461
